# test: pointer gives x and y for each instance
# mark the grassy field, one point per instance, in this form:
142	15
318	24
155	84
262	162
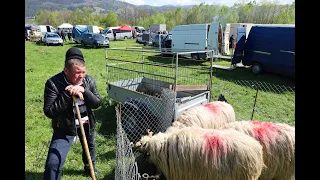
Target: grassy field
41	62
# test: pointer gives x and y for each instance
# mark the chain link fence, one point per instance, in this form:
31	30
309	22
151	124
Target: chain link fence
259	100
134	118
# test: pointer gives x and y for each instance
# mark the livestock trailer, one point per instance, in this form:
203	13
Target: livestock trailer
143	78
151	91
269	49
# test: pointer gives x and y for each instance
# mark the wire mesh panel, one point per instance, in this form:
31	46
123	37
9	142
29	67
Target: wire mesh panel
134	118
260	100
132	63
126	166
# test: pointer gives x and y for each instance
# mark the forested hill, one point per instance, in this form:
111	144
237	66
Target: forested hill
101	6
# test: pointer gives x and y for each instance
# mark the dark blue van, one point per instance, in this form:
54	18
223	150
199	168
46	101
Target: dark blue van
268	48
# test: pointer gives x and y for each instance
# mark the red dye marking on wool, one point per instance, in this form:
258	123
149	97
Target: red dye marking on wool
214	143
213	107
263	131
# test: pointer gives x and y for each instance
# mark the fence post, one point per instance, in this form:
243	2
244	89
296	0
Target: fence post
255	101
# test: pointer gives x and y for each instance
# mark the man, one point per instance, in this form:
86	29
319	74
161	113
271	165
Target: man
114	35
60	108
231	43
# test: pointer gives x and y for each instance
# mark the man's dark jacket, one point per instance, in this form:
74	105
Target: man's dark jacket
58	103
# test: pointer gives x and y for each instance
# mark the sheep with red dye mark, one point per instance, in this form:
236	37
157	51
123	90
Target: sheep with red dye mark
208	154
209	116
278	142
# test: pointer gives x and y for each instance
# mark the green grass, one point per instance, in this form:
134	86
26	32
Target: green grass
42	62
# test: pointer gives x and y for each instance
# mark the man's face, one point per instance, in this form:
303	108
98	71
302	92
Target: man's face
75	74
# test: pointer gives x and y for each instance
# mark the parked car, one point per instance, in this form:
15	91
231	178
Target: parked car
51	38
144	38
156	40
94	40
139	38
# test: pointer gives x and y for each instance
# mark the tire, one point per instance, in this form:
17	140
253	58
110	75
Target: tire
256	68
82	44
195	56
94	45
125	37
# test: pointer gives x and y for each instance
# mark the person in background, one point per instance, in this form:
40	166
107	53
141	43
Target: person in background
59	32
63	35
60	108
231	44
114	35
69	34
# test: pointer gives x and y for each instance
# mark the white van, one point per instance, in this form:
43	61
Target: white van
195	37
46	28
139	30
94	29
108	33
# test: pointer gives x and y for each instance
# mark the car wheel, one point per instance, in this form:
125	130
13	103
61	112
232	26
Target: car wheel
195	56
61	44
256	68
82	44
94	45
125	37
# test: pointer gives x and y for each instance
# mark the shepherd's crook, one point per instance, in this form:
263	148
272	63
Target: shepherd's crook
85	144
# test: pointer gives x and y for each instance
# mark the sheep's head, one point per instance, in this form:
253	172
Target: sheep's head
141	145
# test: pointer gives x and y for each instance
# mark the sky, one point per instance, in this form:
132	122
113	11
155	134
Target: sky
194	2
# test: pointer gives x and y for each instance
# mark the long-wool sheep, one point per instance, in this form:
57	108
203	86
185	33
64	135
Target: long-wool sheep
209	116
208	154
278	142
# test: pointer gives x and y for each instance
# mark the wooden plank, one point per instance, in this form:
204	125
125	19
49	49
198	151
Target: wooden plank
190	87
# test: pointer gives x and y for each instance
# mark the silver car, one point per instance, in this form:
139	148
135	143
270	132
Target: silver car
51	38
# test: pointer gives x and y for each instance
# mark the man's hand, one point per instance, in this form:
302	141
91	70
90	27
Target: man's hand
76	90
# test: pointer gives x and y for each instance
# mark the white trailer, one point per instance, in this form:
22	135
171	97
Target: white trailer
155	28
196	37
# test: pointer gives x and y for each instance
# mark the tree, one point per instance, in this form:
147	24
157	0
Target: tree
111	19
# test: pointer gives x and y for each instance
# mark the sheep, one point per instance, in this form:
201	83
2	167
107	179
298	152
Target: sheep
195	153
211	115
278	142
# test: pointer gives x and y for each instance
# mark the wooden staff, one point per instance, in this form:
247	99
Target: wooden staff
85	144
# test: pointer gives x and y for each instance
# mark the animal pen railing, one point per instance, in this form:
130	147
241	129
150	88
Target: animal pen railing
143	84
136	73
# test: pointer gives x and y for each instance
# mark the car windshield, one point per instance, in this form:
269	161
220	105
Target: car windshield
98	37
53	35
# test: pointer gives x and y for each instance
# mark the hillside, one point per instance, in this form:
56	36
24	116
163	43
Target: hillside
103	6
